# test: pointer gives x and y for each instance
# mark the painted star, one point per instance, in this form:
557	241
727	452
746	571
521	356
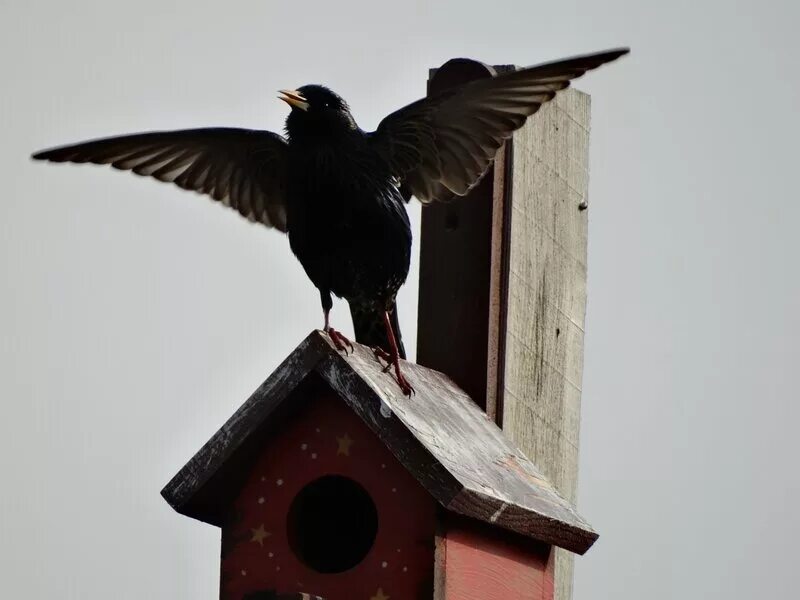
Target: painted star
344	442
259	535
379	595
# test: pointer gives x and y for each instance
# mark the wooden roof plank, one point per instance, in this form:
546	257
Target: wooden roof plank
439	434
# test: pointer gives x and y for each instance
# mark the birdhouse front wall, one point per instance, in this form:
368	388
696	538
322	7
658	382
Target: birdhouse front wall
283	532
482	563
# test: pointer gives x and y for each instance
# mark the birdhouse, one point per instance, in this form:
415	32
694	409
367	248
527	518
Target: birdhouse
328	482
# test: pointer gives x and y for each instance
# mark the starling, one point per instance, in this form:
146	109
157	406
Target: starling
339	192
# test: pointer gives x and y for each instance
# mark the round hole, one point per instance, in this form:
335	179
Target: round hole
332	524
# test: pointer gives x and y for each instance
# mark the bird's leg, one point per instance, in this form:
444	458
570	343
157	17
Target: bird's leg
395	356
339	340
341	343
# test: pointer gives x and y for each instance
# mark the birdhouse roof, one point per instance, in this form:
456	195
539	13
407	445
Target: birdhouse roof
439	435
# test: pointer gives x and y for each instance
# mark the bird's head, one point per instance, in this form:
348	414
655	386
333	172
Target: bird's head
316	110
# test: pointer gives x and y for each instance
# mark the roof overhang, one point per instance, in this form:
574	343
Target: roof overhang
455	451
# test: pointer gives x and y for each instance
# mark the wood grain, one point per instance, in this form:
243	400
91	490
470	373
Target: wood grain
192	491
460	282
439	435
547	296
498	484
481	565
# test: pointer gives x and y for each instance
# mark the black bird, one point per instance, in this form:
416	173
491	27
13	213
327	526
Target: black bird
340	192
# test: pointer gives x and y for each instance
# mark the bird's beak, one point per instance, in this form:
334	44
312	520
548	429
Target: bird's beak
294	98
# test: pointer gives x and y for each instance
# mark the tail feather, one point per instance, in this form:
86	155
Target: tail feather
370	330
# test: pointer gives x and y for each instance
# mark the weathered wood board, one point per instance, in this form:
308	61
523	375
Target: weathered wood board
543	358
479	564
439	435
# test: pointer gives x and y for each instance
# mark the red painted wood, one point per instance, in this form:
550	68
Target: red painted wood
400	564
485	564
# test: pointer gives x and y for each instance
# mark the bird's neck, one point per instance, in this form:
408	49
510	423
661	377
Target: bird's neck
326	141
320	132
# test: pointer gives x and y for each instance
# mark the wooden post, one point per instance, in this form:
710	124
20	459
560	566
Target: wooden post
502	293
461	275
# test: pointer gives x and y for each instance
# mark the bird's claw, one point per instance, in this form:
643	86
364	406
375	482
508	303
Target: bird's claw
341	343
383	355
406	387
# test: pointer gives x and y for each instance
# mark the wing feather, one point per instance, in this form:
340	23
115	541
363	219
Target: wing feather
444	144
241	168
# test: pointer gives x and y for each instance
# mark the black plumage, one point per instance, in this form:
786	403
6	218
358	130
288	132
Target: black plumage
338	191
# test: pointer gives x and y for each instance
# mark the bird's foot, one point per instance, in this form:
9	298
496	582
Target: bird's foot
383	355
405	386
393	358
341	343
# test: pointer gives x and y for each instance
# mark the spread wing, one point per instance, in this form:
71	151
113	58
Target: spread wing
241	168
444	144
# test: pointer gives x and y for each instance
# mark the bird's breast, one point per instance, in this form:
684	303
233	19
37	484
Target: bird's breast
347	222
338	180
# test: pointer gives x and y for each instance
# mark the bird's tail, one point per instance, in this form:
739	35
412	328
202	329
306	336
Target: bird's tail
369	327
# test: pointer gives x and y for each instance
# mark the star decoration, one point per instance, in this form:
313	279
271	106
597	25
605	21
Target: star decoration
259	535
379	595
344	442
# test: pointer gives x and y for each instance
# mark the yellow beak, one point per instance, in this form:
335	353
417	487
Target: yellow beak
294	98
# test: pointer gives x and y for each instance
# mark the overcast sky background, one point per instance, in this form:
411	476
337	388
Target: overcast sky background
135	318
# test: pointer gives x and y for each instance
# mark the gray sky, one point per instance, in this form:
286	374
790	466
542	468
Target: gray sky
135	318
